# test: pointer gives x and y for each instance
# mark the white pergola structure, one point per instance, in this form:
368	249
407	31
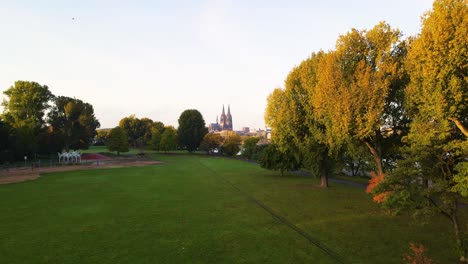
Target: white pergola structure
66	157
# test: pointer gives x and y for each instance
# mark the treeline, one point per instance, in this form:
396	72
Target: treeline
139	133
404	101
34	121
191	135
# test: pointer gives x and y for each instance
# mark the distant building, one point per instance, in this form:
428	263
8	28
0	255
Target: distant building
214	127
224	123
246	130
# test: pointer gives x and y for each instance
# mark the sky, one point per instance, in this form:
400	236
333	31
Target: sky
156	59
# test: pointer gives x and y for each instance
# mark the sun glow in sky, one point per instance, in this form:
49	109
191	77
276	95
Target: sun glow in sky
157	58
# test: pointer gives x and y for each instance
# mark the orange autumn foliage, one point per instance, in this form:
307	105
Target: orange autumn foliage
417	255
374	182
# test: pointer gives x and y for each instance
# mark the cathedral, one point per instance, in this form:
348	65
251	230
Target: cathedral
224	123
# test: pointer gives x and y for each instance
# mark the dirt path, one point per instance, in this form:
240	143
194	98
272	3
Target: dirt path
26	174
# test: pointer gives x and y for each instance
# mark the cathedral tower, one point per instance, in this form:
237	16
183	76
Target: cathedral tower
222	120
229	119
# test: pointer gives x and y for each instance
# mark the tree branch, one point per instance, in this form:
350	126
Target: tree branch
459	125
440	209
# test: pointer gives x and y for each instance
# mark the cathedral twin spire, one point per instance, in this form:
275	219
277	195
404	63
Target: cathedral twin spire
226	120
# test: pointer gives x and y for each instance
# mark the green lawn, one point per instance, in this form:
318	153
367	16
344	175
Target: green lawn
197	209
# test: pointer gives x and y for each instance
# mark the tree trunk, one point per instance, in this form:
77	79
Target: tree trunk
459	238
323	171
323	180
376	152
459	125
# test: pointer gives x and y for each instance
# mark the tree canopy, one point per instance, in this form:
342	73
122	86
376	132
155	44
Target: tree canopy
117	140
231	145
432	174
168	139
360	89
73	121
191	129
26	105
211	142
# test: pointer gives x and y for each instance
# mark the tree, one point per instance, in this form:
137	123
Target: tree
134	128
231	145
73	121
249	148
27	104
168	139
6	138
140	131
296	131
24	111
439	85
360	90
437	61
101	137
432	175
156	132
272	158
117	140
191	129
211	142
356	157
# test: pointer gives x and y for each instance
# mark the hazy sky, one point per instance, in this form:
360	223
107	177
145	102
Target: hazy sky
157	58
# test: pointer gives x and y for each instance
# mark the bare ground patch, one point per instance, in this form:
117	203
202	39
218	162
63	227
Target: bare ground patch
26	174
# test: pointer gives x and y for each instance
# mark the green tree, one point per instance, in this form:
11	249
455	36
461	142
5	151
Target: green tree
140	131
296	131
249	148
24	111
437	61
432	175
26	105
101	137
6	146
360	90
155	139
439	84
148	125
355	158
74	121
134	128
191	129
168	139
211	142
272	158
231	145
117	140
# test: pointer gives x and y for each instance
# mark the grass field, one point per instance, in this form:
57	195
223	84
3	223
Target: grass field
197	209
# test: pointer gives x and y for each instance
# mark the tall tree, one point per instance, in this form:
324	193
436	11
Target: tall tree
26	105
168	139
24	111
117	140
361	88
74	121
147	125
296	131
437	60
6	142
139	131
133	128
433	174
191	129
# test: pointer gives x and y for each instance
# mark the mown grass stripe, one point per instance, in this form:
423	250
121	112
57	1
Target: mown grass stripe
328	251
